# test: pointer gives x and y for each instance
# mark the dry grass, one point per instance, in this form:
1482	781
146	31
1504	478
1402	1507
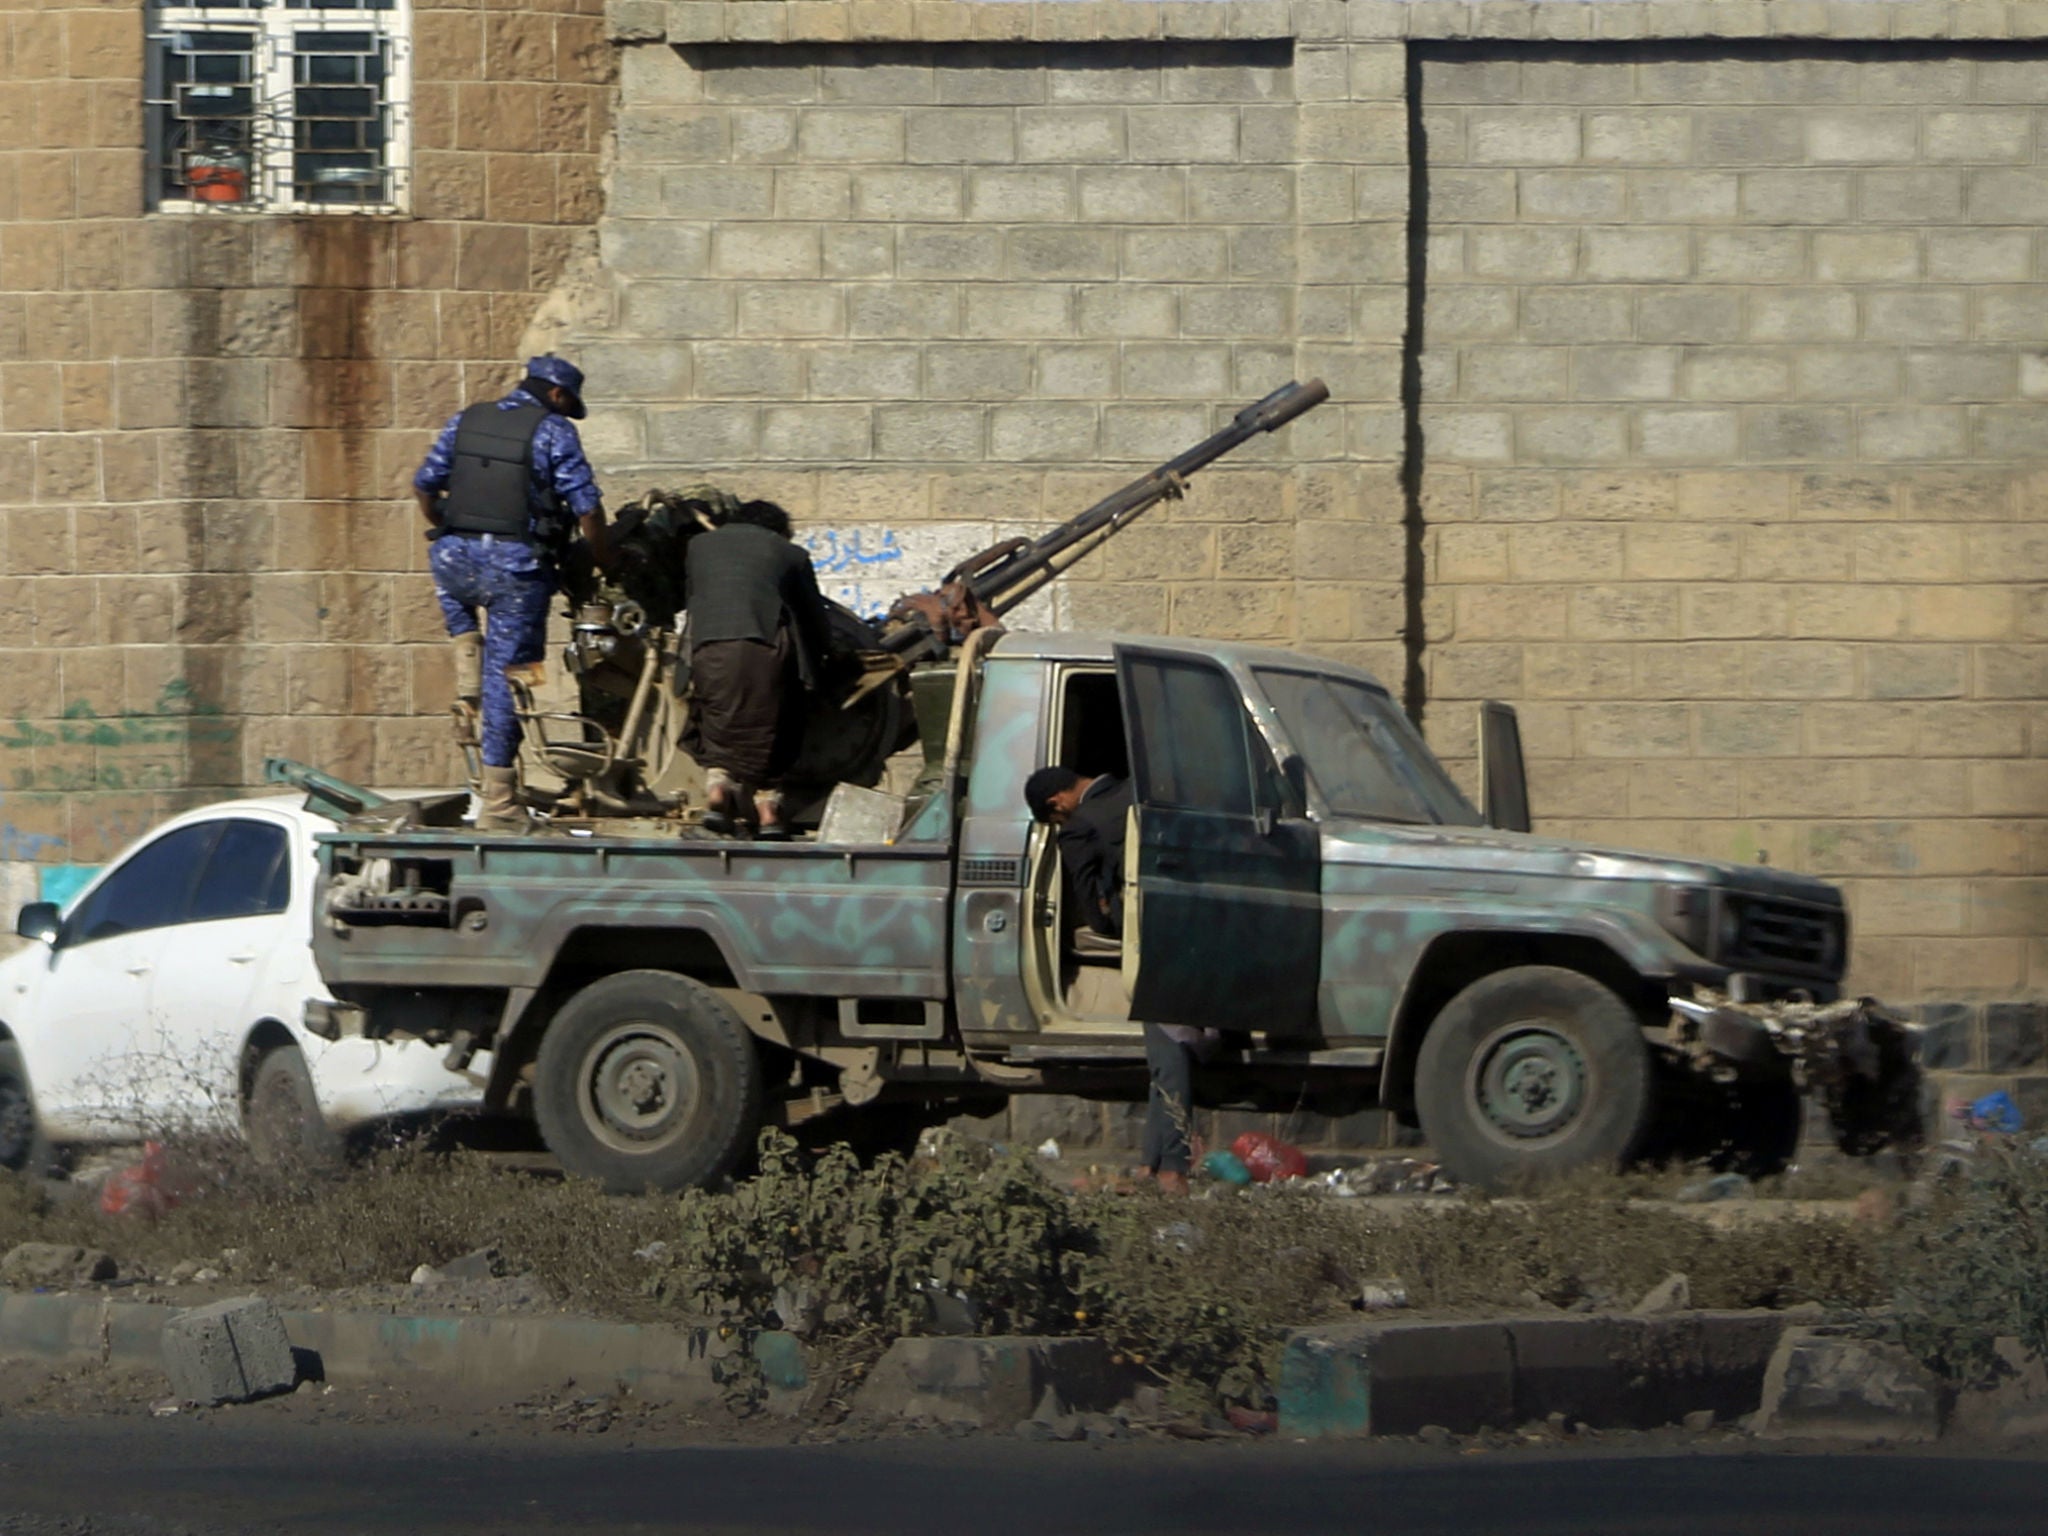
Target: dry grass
1202	1290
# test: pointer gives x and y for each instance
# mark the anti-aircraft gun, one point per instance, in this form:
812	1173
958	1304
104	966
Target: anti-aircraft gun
616	753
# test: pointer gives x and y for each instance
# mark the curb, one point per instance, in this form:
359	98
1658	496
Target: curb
656	1362
1357	1379
992	1383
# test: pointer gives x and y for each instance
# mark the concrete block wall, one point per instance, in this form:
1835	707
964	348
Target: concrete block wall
933	281
1722	406
207	421
1731	391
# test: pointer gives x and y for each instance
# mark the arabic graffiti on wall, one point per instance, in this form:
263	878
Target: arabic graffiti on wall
866	567
847	561
120	758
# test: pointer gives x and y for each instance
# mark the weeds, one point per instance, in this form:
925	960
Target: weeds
1972	1265
1200	1292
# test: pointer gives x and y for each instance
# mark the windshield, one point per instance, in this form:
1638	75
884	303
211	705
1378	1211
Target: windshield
1364	756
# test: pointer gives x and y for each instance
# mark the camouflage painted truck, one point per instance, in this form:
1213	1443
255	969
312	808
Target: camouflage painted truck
1302	875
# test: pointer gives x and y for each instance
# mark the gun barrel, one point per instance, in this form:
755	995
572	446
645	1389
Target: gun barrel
1009	582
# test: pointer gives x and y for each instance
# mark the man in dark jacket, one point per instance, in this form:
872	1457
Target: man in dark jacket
1090	814
757	641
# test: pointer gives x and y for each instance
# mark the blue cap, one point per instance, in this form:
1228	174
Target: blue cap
550	369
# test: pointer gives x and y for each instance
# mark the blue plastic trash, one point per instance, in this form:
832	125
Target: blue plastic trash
1228	1167
1996	1112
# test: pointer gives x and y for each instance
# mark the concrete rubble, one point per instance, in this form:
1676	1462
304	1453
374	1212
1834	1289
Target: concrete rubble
993	1383
230	1352
1671	1294
2011	1405
31	1266
1831	1387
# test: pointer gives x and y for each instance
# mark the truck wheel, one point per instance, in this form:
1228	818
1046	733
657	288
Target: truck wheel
647	1079
282	1118
1533	1071
20	1144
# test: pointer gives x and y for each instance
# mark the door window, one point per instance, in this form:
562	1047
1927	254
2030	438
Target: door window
1193	737
248	874
149	890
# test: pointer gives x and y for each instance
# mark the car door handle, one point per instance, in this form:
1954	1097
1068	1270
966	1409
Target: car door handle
240	959
1169	862
138	970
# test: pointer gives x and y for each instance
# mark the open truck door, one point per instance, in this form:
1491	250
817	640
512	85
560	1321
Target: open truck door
1223	871
1503	784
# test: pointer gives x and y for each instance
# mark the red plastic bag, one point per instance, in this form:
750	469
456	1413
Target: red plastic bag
1269	1158
140	1189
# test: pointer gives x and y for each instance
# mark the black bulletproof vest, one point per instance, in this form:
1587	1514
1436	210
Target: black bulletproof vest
487	487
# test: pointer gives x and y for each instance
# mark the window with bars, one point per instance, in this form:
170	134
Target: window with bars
293	106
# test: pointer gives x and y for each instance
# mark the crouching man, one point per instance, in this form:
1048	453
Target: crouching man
757	642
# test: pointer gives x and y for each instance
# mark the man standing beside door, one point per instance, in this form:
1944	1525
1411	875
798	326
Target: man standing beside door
1090	815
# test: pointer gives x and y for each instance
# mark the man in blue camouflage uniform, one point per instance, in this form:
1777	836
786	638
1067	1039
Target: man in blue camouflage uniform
499	490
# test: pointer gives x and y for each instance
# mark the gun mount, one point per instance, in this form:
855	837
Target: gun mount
616	752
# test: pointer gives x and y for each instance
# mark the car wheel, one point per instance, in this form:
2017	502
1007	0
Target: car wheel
20	1143
1531	1072
645	1080
282	1118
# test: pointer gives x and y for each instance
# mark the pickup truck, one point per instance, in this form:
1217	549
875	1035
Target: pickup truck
1301	875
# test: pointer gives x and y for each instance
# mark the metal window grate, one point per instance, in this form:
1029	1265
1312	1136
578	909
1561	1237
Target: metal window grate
341	112
257	105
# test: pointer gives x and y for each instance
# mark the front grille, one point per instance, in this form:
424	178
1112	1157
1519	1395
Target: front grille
1780	935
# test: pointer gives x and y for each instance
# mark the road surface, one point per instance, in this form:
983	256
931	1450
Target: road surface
211	1476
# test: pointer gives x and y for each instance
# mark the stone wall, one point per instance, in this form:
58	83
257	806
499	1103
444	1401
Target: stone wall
1687	366
207	422
1686	356
930	284
1731	381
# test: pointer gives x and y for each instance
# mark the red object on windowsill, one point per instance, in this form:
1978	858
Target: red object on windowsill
217	181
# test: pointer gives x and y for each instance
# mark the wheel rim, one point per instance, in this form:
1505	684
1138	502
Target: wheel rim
17	1123
640	1087
1529	1082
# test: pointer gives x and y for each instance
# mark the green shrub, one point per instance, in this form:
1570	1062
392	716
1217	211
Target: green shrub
1972	1265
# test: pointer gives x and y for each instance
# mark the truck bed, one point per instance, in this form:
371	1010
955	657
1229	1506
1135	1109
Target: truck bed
452	909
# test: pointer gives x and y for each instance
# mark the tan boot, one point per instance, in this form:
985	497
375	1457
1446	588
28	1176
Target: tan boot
469	687
501	810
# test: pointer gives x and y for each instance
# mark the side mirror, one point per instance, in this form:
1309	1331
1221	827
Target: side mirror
1503	784
38	920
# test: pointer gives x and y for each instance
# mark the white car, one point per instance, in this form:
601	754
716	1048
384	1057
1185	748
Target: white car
170	996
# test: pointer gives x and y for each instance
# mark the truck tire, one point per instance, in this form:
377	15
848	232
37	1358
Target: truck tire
282	1119
21	1145
647	1080
1531	1072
